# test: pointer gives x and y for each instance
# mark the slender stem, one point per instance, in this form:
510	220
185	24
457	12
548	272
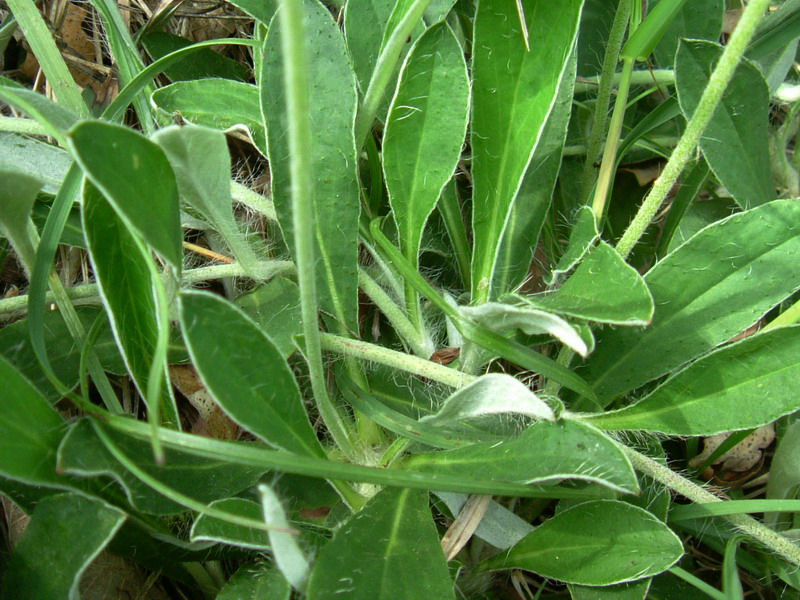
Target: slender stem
398	360
244	195
609	164
658	77
293	46
21	125
684	151
607	76
12	307
394	314
761	533
384	68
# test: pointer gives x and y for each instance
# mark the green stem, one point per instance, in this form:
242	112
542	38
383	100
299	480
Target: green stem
13	307
293	46
610	60
609	164
384	69
450	209
759	532
394	314
22	125
658	77
397	360
685	149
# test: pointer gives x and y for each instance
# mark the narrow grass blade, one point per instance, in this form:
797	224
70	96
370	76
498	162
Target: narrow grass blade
38	35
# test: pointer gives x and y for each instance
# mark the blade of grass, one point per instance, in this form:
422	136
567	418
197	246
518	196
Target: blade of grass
258	456
44	48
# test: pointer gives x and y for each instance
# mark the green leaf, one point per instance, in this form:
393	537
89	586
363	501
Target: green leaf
202	164
64	353
54	117
41	161
530	208
82	454
275	306
30	431
604	288
286	552
336	194
546	452
263	10
203	64
263	458
209	529
66	533
256	581
122	164
710	289
72	234
634	590
217	103
389	550
582	237
491	394
784	473
246	374
424	132
513	93
126	285
735	140
600	542
696	20
16	199
364	25
741	386
503	318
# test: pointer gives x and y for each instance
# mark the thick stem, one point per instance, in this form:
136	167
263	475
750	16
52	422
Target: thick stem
293	46
610	60
685	149
777	543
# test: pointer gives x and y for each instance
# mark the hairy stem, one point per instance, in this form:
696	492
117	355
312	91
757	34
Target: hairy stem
685	149
293	47
759	532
